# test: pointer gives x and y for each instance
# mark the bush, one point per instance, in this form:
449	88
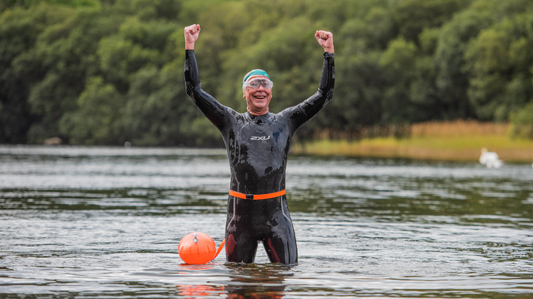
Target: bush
522	122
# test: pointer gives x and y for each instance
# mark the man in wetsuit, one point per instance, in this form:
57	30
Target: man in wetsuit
257	142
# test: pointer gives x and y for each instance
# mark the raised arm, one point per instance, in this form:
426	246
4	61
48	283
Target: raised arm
209	107
327	80
307	109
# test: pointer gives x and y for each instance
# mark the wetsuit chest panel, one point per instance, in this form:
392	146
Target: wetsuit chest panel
257	148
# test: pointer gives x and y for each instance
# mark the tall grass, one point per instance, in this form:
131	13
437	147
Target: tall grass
458	128
453	141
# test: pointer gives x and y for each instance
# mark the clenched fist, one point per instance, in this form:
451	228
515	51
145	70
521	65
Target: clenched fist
325	39
191	34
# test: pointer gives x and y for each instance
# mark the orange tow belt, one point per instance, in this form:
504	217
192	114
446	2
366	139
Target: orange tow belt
257	196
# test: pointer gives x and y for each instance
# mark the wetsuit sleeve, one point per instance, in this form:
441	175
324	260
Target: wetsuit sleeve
208	105
304	111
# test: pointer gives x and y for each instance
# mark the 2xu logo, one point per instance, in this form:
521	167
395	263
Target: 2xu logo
260	138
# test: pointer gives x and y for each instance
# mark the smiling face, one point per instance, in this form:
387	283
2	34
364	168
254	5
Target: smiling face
257	100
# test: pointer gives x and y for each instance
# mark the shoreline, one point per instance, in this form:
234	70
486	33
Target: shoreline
439	141
401	149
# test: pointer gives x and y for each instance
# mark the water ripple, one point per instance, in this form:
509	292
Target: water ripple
89	222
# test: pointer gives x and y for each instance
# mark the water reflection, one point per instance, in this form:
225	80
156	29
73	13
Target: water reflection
242	280
198	291
257	281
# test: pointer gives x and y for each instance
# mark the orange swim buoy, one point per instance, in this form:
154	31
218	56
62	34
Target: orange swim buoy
198	248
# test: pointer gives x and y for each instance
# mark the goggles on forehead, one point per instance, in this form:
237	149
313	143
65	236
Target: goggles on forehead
254	83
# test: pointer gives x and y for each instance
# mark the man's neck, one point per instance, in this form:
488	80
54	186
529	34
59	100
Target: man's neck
257	113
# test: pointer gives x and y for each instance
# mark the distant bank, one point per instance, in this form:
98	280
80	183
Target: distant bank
447	141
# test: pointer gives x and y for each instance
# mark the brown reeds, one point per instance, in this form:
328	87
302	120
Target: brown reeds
453	141
458	128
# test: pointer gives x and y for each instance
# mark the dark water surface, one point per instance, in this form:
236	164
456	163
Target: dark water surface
90	222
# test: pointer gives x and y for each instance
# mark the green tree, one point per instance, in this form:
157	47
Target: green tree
522	122
97	119
66	54
411	17
19	70
487	59
497	60
399	62
4	4
451	78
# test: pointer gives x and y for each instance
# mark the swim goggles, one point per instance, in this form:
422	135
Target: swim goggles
254	83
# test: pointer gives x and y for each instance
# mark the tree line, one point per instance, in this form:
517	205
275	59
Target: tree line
102	72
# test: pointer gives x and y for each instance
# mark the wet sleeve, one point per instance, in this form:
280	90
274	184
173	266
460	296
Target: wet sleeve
208	105
304	111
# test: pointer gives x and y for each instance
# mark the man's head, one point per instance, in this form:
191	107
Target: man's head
257	91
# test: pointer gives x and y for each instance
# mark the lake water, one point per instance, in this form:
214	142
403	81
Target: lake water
91	222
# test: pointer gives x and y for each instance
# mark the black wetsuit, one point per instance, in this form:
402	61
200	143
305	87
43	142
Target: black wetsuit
258	147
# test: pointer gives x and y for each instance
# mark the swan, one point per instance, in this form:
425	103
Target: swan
490	159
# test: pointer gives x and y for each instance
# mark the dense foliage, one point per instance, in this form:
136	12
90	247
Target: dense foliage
110	71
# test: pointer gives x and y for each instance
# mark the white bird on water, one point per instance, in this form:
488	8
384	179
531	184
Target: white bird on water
490	159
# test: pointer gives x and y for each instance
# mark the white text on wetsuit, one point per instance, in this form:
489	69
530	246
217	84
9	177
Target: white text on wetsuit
260	138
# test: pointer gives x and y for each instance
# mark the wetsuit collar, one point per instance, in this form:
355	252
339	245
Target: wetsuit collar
262	116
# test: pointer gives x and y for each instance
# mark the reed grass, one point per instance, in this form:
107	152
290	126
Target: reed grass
449	141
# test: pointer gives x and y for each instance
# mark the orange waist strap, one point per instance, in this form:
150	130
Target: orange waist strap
257	196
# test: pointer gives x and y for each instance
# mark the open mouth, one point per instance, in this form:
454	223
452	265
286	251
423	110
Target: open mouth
260	96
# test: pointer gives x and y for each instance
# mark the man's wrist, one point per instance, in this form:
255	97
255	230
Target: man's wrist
189	46
329	50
